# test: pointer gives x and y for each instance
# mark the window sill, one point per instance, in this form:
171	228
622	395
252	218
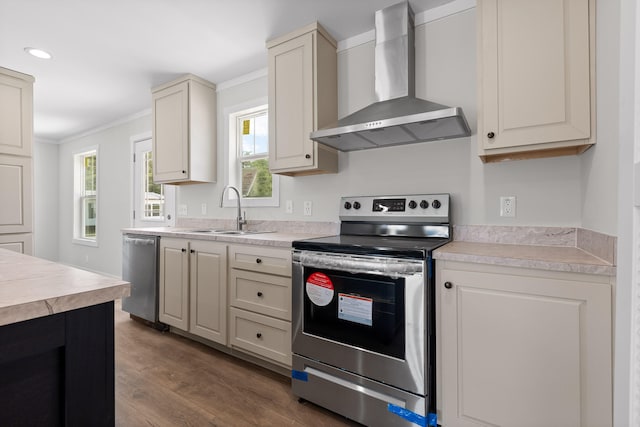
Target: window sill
85	242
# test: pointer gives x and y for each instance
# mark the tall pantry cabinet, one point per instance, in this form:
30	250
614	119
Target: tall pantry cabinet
16	140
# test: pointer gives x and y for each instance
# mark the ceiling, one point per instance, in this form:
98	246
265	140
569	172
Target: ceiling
108	54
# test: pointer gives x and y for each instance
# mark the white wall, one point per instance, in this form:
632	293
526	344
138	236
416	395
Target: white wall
45	184
548	191
114	196
562	191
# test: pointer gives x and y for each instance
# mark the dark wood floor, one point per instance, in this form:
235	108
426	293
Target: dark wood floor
166	380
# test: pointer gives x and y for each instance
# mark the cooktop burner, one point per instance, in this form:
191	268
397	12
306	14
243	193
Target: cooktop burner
406	226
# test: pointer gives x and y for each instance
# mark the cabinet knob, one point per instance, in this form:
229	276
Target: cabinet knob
184	172
259	294
193	251
184	250
258	261
448	285
258	335
307	156
491	135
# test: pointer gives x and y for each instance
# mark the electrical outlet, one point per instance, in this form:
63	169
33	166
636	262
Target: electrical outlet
307	208
289	206
182	210
203	208
508	206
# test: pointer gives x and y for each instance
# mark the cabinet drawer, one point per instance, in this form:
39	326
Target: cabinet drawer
261	259
262	293
261	335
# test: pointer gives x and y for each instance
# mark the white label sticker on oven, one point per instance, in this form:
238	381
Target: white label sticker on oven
320	289
355	309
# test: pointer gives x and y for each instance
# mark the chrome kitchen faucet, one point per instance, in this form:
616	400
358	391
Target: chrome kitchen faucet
239	220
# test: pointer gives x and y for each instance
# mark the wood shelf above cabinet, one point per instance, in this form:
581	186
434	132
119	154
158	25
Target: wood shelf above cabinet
536	83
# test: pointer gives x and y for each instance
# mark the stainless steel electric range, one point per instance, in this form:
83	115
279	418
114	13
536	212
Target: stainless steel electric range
364	310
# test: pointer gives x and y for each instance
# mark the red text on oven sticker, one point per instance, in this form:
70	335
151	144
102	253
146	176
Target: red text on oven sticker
320	289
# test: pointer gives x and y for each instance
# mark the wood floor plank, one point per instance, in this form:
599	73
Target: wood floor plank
163	379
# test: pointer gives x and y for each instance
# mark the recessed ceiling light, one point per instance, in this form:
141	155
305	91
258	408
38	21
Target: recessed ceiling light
38	53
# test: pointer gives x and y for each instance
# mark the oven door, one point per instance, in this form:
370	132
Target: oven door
363	314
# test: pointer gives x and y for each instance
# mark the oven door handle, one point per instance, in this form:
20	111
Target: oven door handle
393	267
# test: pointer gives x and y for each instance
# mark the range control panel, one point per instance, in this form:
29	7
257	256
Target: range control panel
411	207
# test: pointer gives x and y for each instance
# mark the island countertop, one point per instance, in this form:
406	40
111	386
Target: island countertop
32	287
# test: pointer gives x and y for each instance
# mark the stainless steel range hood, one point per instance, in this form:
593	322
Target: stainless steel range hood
398	117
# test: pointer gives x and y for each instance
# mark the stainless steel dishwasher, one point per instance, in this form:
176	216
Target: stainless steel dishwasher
140	268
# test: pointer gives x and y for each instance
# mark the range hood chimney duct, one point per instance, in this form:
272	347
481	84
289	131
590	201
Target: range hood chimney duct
397	117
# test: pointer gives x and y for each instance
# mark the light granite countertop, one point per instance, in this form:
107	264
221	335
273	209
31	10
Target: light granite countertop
546	254
32	287
276	239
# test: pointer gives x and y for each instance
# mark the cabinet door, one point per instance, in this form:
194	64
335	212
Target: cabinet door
534	70
21	243
291	84
171	133
208	286
262	293
174	283
261	335
16	115
16	194
524	351
261	259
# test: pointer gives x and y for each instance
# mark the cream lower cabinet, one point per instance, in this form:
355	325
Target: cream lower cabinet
536	85
523	348
193	287
260	300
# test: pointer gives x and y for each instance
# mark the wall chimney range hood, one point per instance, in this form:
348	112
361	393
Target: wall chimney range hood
398	117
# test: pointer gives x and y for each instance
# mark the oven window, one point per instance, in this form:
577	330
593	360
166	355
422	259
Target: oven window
362	310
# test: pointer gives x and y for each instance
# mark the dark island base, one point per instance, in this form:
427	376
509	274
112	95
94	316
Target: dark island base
59	370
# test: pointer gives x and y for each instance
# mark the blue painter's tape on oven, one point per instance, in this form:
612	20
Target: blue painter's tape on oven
432	420
408	415
299	375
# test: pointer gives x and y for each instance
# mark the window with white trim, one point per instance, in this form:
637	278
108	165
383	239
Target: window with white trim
86	197
249	157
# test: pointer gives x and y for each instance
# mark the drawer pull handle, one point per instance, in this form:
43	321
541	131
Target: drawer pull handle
258	335
448	285
260	294
258	261
184	250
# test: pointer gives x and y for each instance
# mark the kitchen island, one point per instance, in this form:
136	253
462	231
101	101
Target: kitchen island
56	343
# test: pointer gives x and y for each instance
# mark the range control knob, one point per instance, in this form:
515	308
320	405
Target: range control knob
356	205
413	204
347	205
436	204
424	204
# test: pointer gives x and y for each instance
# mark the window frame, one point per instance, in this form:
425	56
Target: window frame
233	164
80	197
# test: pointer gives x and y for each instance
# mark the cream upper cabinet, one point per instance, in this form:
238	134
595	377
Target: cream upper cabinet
184	131
16	174
16	113
193	287
16	215
523	348
536	82
303	97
